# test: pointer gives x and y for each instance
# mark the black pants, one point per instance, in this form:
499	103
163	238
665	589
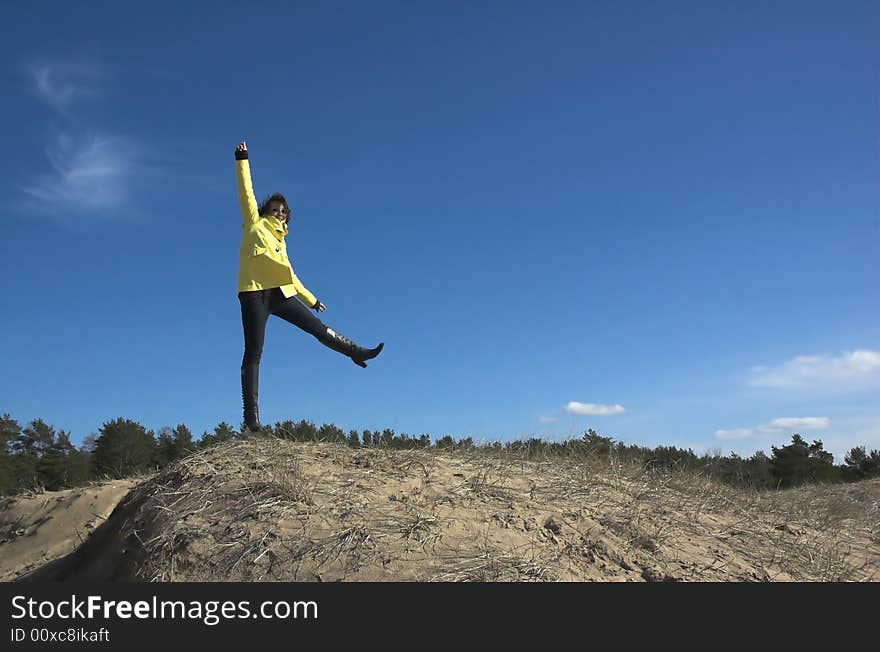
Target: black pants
256	306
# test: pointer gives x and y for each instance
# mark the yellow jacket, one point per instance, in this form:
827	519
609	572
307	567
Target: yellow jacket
262	258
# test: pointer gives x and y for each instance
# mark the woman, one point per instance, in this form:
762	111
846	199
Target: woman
267	285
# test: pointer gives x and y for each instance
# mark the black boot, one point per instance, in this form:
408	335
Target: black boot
249	386
358	354
252	418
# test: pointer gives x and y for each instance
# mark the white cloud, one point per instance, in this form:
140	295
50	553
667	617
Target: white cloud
794	423
839	438
62	84
87	171
548	419
91	173
858	369
592	409
777	427
736	433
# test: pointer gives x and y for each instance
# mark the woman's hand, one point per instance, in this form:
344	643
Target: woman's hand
241	147
320	307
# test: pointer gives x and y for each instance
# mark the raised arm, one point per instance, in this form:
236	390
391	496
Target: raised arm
249	210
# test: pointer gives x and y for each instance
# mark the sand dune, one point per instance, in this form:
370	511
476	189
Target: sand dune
38	528
274	510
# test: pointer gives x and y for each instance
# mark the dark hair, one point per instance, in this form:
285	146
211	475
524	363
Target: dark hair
275	196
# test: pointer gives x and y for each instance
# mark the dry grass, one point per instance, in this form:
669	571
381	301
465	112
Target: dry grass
494	566
269	509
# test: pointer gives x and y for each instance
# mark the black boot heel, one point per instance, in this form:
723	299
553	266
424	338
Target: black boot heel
345	346
362	355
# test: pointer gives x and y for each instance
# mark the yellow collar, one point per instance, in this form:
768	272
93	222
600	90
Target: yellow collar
273	224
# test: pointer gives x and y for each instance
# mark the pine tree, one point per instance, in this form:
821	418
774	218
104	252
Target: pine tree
183	441
35	439
224	432
861	464
9	431
387	438
206	440
123	448
28	447
62	466
164	447
305	431
330	433
799	463
78	467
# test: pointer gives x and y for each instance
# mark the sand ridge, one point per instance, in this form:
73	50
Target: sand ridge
37	528
266	509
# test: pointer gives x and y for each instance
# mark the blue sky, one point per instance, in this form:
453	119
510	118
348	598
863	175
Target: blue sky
661	223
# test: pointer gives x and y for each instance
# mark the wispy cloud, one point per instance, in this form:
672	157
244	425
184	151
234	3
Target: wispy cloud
795	423
776	426
592	409
858	369
736	433
88	173
88	170
838	437
62	84
548	419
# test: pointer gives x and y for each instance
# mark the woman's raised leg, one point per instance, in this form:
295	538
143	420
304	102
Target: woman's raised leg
293	311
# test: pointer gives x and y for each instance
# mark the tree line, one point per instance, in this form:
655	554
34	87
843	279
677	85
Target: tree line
37	456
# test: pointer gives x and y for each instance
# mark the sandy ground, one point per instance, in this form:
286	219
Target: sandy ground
38	528
274	510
